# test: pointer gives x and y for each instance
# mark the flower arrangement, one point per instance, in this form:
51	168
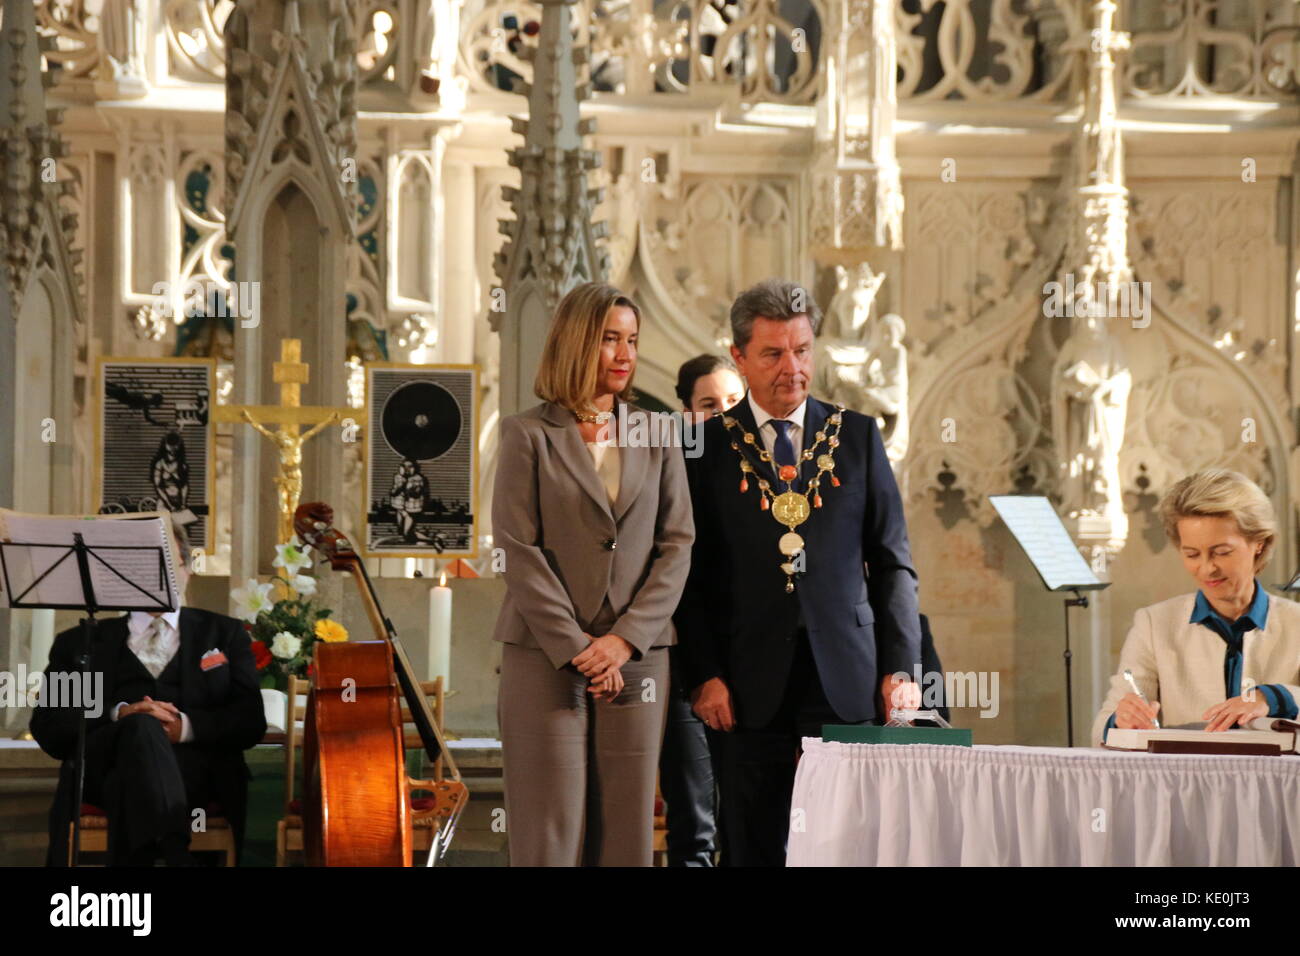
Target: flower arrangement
285	629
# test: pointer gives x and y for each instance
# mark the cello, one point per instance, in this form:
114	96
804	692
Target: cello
358	808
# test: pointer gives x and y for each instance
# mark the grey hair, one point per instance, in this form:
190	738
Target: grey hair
179	538
777	299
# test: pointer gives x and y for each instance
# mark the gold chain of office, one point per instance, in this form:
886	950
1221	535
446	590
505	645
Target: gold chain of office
791	508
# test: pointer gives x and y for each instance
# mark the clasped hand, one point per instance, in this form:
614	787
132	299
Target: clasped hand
161	709
601	664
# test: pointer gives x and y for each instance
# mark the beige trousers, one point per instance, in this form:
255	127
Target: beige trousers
580	773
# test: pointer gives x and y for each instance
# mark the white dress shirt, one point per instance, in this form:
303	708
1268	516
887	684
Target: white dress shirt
169	624
767	432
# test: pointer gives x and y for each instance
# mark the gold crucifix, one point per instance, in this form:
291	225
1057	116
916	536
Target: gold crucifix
290	373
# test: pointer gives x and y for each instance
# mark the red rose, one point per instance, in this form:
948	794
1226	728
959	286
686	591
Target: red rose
261	655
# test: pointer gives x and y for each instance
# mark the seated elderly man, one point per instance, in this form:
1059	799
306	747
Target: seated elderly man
182	704
1228	653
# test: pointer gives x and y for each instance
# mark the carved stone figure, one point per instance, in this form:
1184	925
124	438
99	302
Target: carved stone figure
1090	388
864	364
115	34
886	394
850	307
119	47
842	358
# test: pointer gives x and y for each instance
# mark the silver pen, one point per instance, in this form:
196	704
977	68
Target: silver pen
1128	676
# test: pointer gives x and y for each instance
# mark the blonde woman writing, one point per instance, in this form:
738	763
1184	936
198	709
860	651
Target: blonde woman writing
1228	652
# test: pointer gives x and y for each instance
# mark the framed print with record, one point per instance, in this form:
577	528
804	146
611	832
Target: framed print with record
421	461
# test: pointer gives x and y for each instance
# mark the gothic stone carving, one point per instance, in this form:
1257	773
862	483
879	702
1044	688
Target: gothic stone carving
31	217
290	91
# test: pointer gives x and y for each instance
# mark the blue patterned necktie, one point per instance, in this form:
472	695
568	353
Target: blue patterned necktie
783	450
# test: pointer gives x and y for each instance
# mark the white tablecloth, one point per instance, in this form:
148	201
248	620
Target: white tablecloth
927	805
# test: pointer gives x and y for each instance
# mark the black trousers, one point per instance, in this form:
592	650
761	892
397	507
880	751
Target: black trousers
687	775
148	788
758	766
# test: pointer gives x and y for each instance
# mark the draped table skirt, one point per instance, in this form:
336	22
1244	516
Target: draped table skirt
928	805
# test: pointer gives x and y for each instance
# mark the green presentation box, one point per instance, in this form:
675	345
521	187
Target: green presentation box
845	734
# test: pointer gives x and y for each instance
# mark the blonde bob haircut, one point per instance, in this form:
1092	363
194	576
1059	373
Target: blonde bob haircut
571	357
1220	493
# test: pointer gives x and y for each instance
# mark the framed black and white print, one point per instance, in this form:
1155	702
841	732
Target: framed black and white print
421	461
155	441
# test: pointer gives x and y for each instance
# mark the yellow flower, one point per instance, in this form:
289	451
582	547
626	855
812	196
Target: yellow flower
331	631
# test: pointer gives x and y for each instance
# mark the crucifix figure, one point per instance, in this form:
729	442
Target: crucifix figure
289	481
290	373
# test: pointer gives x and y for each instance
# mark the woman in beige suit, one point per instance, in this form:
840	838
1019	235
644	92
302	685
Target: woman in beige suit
597	537
1230	652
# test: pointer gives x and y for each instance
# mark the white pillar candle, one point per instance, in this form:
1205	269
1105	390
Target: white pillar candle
440	632
42	638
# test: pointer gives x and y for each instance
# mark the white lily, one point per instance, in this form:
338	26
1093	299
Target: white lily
251	600
291	557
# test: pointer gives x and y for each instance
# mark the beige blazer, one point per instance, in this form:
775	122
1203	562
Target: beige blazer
567	549
1180	664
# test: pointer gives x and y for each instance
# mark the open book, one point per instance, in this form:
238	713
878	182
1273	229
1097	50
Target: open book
127	571
1266	731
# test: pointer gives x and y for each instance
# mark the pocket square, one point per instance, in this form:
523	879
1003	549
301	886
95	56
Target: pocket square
211	659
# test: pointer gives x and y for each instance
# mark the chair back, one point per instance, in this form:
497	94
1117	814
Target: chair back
295	712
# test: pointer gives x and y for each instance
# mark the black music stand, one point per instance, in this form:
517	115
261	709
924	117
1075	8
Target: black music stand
1038	530
68	599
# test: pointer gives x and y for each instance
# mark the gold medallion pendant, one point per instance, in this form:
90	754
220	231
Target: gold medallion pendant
791	508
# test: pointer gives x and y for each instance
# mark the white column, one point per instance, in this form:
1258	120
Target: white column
461	301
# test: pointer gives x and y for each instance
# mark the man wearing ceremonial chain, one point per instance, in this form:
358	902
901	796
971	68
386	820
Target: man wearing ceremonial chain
801	603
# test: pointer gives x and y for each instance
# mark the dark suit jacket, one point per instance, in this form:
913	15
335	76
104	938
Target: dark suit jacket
224	705
930	664
736	620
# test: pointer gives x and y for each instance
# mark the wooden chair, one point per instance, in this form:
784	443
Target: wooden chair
288	832
288	837
218	836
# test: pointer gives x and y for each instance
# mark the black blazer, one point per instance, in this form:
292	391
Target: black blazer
736	620
930	664
224	705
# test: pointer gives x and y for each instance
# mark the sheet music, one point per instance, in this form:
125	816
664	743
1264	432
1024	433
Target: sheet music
1038	529
122	579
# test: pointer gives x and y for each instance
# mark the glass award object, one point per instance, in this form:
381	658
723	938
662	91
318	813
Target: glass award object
903	717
